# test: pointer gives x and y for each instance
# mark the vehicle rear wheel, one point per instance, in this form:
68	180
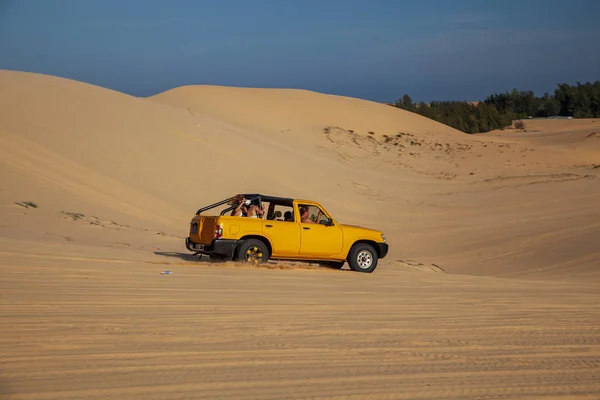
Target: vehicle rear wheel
363	258
253	251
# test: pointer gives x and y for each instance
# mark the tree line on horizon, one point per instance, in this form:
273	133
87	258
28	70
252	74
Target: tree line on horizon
499	110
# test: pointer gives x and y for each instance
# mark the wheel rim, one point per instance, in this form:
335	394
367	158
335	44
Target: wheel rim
364	259
254	255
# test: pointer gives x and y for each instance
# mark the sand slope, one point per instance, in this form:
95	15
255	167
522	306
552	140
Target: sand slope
441	196
490	287
278	111
451	196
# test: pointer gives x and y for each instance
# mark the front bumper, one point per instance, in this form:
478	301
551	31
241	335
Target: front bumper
221	247
383	249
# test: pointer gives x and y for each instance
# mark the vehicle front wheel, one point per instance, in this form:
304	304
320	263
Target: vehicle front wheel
363	258
253	251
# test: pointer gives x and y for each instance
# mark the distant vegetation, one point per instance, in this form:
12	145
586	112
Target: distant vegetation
499	110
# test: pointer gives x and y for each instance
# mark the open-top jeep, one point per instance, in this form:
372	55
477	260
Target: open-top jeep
288	229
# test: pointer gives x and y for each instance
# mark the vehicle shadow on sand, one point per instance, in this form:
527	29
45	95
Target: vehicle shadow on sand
271	264
181	256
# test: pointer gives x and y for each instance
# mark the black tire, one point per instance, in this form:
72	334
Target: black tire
332	264
253	251
363	258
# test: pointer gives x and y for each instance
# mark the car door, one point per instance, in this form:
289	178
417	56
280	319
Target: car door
318	240
284	237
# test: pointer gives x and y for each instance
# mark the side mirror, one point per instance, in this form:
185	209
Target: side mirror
327	222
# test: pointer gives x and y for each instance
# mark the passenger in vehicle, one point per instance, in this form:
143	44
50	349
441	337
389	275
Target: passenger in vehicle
254	211
304	217
241	209
287	216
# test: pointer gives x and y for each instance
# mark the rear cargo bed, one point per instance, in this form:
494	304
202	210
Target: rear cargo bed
202	229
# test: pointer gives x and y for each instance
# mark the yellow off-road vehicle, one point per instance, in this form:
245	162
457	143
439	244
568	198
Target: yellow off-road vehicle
282	229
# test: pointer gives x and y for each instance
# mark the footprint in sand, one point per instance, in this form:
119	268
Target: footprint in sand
368	192
417	266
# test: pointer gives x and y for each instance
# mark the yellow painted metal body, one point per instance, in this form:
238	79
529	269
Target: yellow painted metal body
289	240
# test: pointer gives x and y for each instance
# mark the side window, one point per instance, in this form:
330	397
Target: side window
288	214
281	213
315	214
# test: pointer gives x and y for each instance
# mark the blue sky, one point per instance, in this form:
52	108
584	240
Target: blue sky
372	49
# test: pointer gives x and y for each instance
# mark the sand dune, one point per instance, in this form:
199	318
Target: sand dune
490	287
292	111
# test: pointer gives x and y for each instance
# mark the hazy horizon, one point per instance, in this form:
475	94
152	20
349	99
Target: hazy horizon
376	50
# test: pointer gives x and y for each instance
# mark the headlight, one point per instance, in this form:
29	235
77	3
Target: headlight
383	237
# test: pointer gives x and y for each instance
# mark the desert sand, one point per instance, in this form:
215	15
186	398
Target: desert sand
491	288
